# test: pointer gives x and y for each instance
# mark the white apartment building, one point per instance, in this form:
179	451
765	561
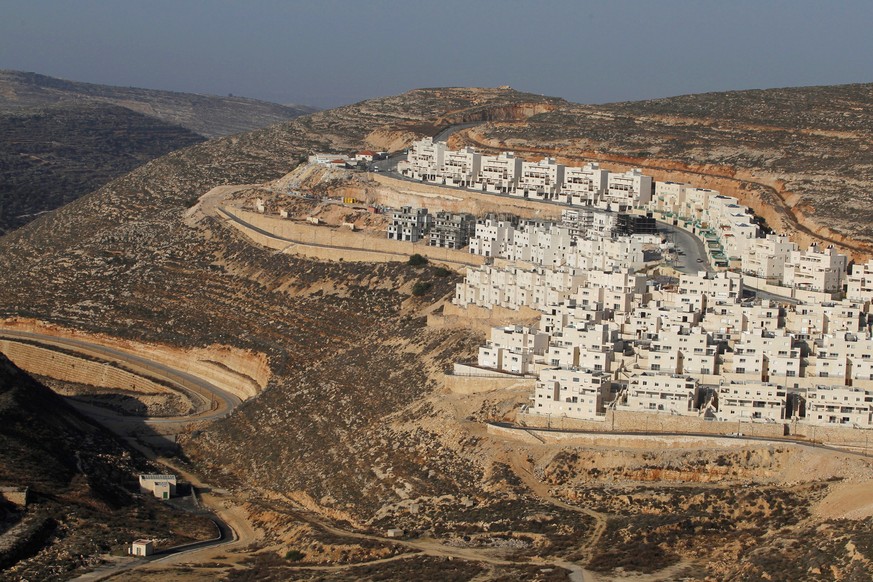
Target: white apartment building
409	224
628	190
859	284
839	405
540	243
461	167
588	222
662	355
737	235
764	315
766	257
723	285
696	203
605	253
515	287
816	269
491	237
584	186
725	319
499	174
573	392
618	291
748	357
644	322
843	316
782	353
855	351
668	197
541	179
684	315
828	359
768	355
859	351
588	346
751	401
806	320
513	349
558	316
698	349
668	393
424	161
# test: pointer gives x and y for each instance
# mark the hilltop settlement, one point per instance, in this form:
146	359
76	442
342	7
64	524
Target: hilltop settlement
755	331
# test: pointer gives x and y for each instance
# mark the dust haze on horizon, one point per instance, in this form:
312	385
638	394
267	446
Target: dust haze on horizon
331	53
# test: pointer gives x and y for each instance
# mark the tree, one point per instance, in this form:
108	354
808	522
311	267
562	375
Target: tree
417	260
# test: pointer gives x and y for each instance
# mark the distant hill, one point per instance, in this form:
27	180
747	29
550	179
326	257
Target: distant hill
52	155
81	478
61	139
208	115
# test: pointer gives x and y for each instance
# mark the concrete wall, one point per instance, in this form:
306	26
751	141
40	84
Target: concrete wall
395	193
837	435
44	362
327	243
629	421
479	384
481	319
237	371
799	294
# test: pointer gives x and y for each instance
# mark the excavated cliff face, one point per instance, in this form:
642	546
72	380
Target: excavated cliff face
513	112
399	136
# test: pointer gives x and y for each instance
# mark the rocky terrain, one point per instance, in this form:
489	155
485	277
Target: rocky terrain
356	434
206	115
60	139
50	156
83	493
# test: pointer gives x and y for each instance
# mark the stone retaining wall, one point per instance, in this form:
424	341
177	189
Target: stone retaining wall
237	371
60	366
631	421
395	193
481	319
480	384
328	243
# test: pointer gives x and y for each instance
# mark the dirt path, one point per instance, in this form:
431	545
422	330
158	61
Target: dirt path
208	204
227	508
522	468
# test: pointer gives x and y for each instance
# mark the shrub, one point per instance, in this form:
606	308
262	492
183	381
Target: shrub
294	555
417	260
421	288
442	272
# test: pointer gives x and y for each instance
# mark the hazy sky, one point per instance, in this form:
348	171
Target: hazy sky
328	53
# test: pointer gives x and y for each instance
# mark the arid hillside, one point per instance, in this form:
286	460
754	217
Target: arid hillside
207	115
55	154
83	494
61	139
356	432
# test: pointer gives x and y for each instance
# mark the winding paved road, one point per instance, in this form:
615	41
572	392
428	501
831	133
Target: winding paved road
222	402
693	259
